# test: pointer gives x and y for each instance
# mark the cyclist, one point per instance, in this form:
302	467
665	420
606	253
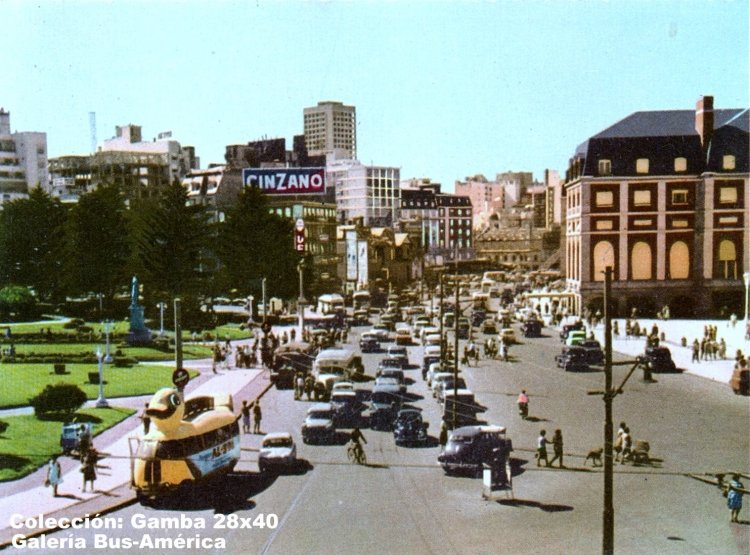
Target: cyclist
355	443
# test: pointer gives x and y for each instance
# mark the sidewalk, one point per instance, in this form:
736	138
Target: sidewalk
30	498
675	330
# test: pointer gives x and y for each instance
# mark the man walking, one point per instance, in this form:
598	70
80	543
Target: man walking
557	448
541	448
245	417
257	415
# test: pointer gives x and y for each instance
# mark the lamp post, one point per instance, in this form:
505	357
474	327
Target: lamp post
301	300
101	402
746	277
161	306
107	329
265	310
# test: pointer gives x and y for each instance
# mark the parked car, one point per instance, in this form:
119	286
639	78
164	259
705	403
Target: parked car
575	337
318	426
532	328
277	452
427	362
594	353
408	427
470	447
658	359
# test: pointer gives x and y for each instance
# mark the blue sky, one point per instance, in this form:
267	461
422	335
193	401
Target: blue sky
442	89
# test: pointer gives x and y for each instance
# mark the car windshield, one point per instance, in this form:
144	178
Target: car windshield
382	397
661	354
331	370
320	415
277	442
410	418
461	439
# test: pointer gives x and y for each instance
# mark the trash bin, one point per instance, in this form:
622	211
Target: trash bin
94	378
59	368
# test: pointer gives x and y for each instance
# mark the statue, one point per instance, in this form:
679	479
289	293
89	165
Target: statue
139	334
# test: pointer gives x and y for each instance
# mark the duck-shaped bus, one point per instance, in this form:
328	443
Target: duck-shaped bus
188	441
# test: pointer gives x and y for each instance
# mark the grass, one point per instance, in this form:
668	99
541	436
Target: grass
23	381
28	442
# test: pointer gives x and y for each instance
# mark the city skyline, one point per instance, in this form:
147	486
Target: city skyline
444	90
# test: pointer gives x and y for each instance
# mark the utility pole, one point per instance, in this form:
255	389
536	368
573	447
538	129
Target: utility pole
177	335
608	516
456	312
443	346
263	289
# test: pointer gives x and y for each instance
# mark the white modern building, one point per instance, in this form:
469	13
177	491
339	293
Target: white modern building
331	130
23	160
366	194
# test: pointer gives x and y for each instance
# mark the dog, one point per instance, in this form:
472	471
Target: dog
596	457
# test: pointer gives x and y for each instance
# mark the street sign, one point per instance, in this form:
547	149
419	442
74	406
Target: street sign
180	378
299	235
286	181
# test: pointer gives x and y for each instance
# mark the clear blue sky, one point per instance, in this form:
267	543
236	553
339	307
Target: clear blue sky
442	89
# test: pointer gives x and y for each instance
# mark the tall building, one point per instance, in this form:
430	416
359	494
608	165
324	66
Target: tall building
23	160
369	195
331	129
663	198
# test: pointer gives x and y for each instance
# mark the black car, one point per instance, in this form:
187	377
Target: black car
408	427
532	328
470	447
573	359
594	353
658	359
369	345
385	402
570	327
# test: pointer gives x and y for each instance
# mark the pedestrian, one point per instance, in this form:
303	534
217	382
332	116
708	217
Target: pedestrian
84	441
54	475
299	386
557	447
734	497
257	415
443	437
145	418
541	448
309	385
618	440
696	351
627	445
88	468
245	417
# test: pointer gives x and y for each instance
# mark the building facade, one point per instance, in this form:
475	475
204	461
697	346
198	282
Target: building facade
331	129
366	194
663	199
23	161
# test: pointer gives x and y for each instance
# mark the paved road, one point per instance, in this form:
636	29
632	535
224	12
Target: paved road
403	503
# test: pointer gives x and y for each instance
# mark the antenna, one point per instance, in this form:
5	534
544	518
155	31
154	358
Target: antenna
92	130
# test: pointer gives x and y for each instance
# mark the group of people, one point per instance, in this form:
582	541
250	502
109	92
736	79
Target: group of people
557	448
303	385
88	456
245	415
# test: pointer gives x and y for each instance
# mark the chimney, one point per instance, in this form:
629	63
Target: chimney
704	119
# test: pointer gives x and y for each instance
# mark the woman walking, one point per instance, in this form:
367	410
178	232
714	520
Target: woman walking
734	497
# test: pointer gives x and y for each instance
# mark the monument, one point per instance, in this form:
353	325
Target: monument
139	334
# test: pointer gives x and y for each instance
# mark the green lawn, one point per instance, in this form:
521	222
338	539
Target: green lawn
28	443
23	381
141	353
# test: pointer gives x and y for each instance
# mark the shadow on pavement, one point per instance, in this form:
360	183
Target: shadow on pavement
547	508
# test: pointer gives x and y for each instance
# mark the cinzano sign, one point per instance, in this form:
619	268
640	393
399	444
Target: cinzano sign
286	181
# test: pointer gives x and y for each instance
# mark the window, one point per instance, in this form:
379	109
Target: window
679	196
605	167
641	165
604	255
604	225
680	164
727	260
728	162
640	260
679	260
727	195
604	199
642	198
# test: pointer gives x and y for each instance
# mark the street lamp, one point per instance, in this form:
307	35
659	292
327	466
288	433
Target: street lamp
301	300
746	277
107	328
101	402
161	306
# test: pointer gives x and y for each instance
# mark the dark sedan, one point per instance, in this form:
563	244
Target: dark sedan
409	428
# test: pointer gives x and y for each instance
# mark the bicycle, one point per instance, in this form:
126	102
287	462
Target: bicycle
356	453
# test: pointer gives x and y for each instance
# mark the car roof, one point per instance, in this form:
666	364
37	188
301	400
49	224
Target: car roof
319	407
277	435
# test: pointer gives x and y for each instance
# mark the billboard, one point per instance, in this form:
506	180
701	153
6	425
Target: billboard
299	235
286	181
362	263
351	255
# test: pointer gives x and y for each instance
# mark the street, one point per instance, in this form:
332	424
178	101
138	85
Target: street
402	502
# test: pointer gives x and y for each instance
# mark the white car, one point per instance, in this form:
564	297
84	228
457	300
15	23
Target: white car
381	332
342	386
277	452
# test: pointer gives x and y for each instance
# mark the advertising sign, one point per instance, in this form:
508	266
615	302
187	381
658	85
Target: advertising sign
286	181
299	235
351	255
362	263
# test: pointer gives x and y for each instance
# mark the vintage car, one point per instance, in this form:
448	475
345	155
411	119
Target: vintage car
318	426
532	328
658	359
277	452
471	447
409	428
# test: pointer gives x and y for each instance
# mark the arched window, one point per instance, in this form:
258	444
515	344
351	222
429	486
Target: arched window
604	255
679	260
727	259
640	260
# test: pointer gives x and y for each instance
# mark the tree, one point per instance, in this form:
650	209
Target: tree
97	243
254	243
31	243
170	242
18	300
61	398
